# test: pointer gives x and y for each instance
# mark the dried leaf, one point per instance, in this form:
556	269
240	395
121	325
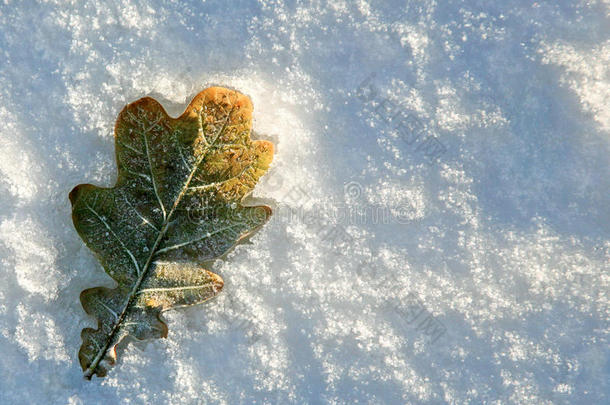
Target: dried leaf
177	203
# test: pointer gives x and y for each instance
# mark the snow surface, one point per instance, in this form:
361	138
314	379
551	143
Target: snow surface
501	243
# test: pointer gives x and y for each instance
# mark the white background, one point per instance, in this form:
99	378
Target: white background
505	240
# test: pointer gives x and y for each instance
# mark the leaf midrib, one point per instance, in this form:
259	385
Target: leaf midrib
167	221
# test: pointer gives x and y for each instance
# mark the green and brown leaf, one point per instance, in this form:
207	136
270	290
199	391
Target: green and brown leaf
177	204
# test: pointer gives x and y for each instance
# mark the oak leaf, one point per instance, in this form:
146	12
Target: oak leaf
176	205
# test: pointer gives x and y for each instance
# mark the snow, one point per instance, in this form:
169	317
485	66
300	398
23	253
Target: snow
385	276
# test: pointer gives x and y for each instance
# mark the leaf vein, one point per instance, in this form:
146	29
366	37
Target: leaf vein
103	221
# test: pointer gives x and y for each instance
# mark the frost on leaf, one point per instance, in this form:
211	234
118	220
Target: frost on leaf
177	203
